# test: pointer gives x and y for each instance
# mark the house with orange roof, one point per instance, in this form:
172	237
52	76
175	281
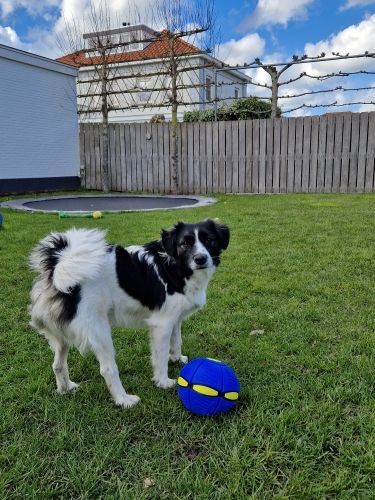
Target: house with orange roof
138	78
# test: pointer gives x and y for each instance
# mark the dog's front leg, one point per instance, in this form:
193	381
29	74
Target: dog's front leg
176	344
160	339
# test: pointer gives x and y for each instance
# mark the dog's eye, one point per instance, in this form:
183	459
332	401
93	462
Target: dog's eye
188	241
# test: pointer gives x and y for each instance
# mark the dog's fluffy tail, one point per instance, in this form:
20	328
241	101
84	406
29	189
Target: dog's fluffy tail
68	259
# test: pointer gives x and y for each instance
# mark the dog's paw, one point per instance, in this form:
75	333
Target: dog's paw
178	359
127	401
166	383
70	388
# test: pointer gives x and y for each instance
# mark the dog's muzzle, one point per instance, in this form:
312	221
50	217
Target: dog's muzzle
200	260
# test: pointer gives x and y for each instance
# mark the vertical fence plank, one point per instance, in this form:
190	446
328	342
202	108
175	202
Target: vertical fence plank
82	170
131	172
228	157
142	153
167	155
345	159
284	154
190	156
321	154
121	152
98	157
370	161
158	157
111	158
208	129
328	173
275	188
234	156
241	155
215	157
202	158
291	155
314	153
152	144
249	155
306	154
139	172
270	124
262	155
337	154
362	152
221	157
184	163
196	163
354	145
255	180
298	156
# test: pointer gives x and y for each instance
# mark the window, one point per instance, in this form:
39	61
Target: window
208	88
145	85
236	93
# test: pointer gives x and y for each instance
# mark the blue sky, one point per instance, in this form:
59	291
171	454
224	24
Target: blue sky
272	30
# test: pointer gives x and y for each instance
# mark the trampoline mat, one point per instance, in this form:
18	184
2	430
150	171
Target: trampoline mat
110	203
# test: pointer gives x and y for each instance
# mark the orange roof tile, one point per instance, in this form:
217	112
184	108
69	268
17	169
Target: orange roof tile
157	49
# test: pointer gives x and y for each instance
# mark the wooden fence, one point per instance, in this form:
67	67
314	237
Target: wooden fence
325	154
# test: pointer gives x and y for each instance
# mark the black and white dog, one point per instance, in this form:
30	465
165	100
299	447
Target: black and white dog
85	285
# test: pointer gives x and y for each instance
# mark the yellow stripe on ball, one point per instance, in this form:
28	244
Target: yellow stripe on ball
182	382
206	391
233	396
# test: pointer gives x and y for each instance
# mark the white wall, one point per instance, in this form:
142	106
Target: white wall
38	118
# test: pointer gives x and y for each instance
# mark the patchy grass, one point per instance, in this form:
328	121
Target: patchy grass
299	267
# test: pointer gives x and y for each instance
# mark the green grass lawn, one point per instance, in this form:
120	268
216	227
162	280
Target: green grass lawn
299	267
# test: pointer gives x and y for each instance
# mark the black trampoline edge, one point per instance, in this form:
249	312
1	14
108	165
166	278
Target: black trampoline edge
39	184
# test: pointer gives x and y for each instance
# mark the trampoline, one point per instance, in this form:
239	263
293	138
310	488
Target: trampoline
107	203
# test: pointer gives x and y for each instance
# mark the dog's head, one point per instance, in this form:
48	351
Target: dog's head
199	245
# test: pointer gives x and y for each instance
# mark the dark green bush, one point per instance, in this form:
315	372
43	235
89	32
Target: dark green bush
247	108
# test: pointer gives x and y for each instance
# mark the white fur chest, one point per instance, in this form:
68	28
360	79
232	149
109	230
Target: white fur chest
196	286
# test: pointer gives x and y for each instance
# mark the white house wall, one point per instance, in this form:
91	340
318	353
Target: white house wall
38	121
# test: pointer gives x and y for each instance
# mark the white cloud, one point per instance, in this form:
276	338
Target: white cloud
243	50
355	39
356	3
270	12
32	6
45	42
9	37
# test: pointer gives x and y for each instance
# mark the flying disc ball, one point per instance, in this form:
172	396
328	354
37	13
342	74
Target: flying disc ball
1	220
208	387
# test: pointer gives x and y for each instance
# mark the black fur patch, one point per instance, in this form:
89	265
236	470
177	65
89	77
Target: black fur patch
174	272
50	254
139	279
49	258
69	304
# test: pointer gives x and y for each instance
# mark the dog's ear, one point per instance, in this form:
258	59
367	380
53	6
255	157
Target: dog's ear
169	239
222	232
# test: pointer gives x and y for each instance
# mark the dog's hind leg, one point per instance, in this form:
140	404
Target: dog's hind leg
102	347
60	365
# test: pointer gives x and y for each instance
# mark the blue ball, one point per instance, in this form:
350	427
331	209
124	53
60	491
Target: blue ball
1	219
208	387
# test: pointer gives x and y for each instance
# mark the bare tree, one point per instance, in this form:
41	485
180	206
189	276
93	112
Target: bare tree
192	20
114	85
276	83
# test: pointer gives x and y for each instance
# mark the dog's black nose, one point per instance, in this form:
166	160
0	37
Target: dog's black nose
200	259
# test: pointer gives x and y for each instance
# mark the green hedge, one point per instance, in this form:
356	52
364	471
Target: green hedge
242	109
